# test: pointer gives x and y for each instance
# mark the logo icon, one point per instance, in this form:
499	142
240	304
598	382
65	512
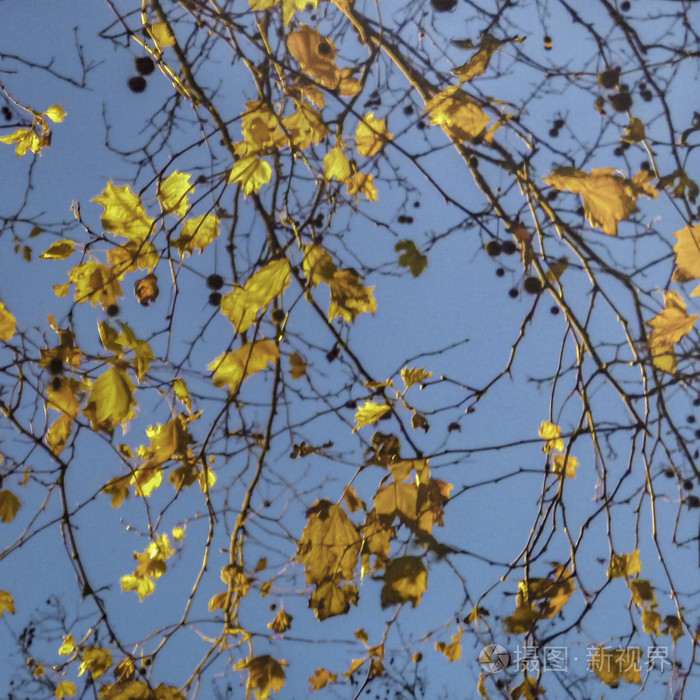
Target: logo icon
494	658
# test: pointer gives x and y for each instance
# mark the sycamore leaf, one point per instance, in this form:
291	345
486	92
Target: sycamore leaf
360	183
242	305
608	197
24	140
634	131
111	401
298	364
173	193
9	505
68	645
160	31
336	165
453	650
290	8
56	113
411	258
318	265
371	135
642	592
197	234
349	297
182	393
668	328
132	256
529	689
59	250
7	603
96	283
369	413
264	675
411	376
651	621
282	622
565	466
623	565
305	126
687	255
58	434
96	660
124	214
406	579
7	323
252	173
331	599
65	689
322	678
146	289
316	55
233	368
458	114
552	434
143	585
479	62
612	665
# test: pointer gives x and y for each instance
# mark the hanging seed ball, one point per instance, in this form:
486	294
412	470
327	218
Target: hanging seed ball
137	83
144	65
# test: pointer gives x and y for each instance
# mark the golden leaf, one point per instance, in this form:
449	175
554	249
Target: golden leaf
118	489
642	592
68	645
612	665
96	283
7	603
336	165
360	183
56	113
8	324
233	368
529	689
298	364
371	135
197	233
406	579
668	328
479	62
623	565
651	620
59	250
305	126
411	258
453	650
9	505
161	34
318	265
331	599
264	675
173	193
182	393
111	401
124	214
687	255
132	256
65	689
316	55
251	172
565	466
143	585
349	297
552	434
290	8
369	413
282	621
146	289
458	114
96	660
24	140
413	376
322	678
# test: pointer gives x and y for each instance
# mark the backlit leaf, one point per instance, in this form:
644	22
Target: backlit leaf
24	140
332	598
56	113
687	255
173	193
458	114
124	214
349	297
668	328
405	580
623	565
7	323
479	62
371	135
197	233
552	434
651	621
369	413
642	592
411	258
68	645
7	603
252	173
59	250
96	660
111	401
96	283
360	183
232	368
315	54
565	466
453	650
65	689
290	8
265	674
322	678
612	665
160	31
336	165
9	505
411	375
318	265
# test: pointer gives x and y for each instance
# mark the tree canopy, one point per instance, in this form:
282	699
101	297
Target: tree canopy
340	341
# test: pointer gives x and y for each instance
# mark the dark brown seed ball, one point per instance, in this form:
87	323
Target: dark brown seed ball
621	101
443	5
56	365
137	83
532	285
500	272
215	299
493	248
509	248
324	48
512	293
215	282
144	65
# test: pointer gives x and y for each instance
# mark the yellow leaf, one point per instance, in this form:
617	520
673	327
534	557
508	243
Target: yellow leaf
261	5
56	113
178	533
458	114
242	305
612	665
7	323
251	172
634	131
316	55
290	8
529	689
68	646
65	689
371	135
143	585
111	401
124	214
174	192
322	678
146	289
305	126
453	650
360	183
623	565
411	376
552	434
369	413
642	592
9	505
565	466
118	489
651	620
298	365
349	297
608	197
24	140
282	621
406	579
336	165
687	255
318	265
61	290
96	283
668	328
146	479
132	256
479	62
7	603
411	258
673	626
264	675
96	660
261	129
58	434
331	599
59	250
217	602
160	31
233	368
197	233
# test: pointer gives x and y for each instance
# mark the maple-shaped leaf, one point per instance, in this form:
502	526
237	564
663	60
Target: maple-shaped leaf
9	505
305	126
453	650
369	413
612	665
349	297
252	172
8	324
565	466
111	401
318	265
65	689
59	250
529	689
552	434
371	135
282	621
412	375
124	214
143	585
132	256
336	165
458	114
316	55
233	368
688	256
24	140
608	197
668	328
329	545
405	580
241	306
261	129
322	678
146	479
197	234
146	289
173	193
265	674
411	257
360	183
623	565
96	660
331	598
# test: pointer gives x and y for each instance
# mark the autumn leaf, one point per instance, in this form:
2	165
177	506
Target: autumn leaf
371	135
412	376
623	565
668	328
411	258
479	62
642	593
336	165
612	665
96	283
359	183
453	650
608	197
173	193
146	289
369	413
233	368
688	256
322	678
565	466
264	675
241	306
197	233
529	689
298	364
282	621
96	660
7	603
458	114
651	621
305	126
65	689
318	265
24	140
251	172
124	214
111	401
405	580
9	505
331	598
68	645
56	113
316	55
349	297
161	34
59	250
182	393
552	434
7	323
